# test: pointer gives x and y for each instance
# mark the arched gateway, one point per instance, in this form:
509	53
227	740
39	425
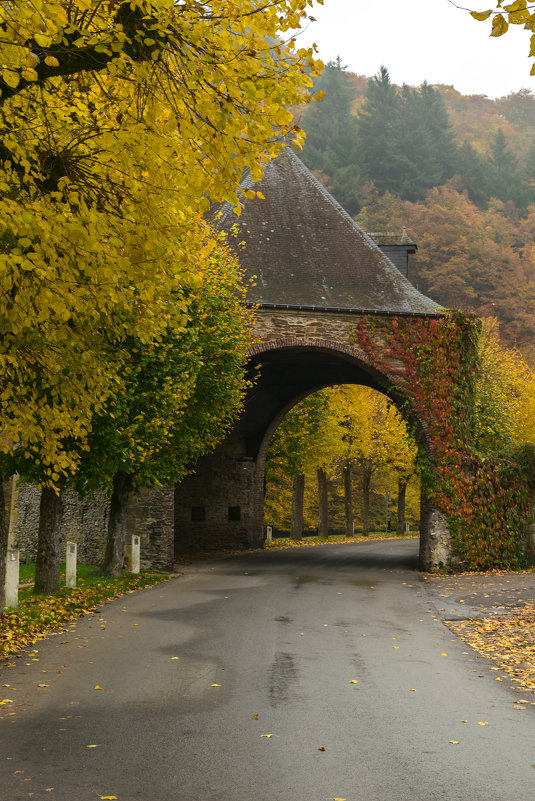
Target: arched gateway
325	300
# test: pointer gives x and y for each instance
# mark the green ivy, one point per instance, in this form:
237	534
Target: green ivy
433	365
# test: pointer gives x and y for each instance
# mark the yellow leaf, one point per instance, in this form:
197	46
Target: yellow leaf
216	685
321	748
266	735
51	61
482	723
353	681
11	78
454	742
98	688
254	717
519	17
29	74
92	746
42	40
517	5
499	25
481	15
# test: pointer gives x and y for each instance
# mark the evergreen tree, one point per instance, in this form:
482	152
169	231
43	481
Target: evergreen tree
473	174
377	133
331	145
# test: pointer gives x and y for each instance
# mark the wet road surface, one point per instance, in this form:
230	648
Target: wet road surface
339	647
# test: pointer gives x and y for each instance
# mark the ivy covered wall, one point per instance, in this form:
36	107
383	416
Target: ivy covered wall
432	364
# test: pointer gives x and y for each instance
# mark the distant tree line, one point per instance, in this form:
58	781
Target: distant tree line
457	172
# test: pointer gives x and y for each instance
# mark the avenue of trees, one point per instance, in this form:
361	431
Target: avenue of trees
122	332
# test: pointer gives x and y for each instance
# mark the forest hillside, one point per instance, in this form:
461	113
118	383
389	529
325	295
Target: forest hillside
456	172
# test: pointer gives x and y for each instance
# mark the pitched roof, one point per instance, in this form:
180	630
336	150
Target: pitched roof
305	250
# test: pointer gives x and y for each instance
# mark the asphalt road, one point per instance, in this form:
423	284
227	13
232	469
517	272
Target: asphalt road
339	647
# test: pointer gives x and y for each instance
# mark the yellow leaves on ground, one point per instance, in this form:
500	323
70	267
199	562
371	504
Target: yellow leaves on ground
454	742
267	736
508	641
353	681
97	687
37	616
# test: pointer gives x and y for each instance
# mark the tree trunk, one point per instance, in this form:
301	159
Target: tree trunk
4	528
366	486
48	543
348	498
402	493
116	539
298	496
323	504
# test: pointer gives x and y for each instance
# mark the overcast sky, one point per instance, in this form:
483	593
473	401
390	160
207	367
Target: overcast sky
422	40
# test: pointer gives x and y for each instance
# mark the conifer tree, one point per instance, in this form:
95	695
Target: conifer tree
331	145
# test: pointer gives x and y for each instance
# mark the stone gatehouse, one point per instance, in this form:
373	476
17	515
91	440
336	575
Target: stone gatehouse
313	276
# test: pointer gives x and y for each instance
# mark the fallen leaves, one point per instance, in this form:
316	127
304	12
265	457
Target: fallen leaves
38	615
508	641
454	742
267	736
353	681
97	687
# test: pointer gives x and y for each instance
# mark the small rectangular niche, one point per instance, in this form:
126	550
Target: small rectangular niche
198	514
234	513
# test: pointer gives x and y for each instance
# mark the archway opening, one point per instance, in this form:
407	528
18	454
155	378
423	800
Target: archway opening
342	464
222	504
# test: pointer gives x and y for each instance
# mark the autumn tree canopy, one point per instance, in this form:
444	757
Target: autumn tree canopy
120	122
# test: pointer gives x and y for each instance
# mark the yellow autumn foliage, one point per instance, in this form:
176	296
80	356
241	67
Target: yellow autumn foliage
120	123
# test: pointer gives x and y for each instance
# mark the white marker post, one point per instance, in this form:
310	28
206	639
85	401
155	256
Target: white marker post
269	534
70	570
12	578
135	553
407	528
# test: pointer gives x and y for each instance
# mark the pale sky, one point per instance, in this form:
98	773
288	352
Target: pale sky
422	40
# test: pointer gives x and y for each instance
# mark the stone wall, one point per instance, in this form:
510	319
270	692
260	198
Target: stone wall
150	514
215	508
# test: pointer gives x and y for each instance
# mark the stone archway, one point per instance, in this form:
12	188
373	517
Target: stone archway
221	505
331	308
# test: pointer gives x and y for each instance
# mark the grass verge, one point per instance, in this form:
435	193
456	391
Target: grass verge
286	542
38	615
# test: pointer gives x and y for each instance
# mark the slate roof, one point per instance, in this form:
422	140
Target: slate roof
305	250
393	238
